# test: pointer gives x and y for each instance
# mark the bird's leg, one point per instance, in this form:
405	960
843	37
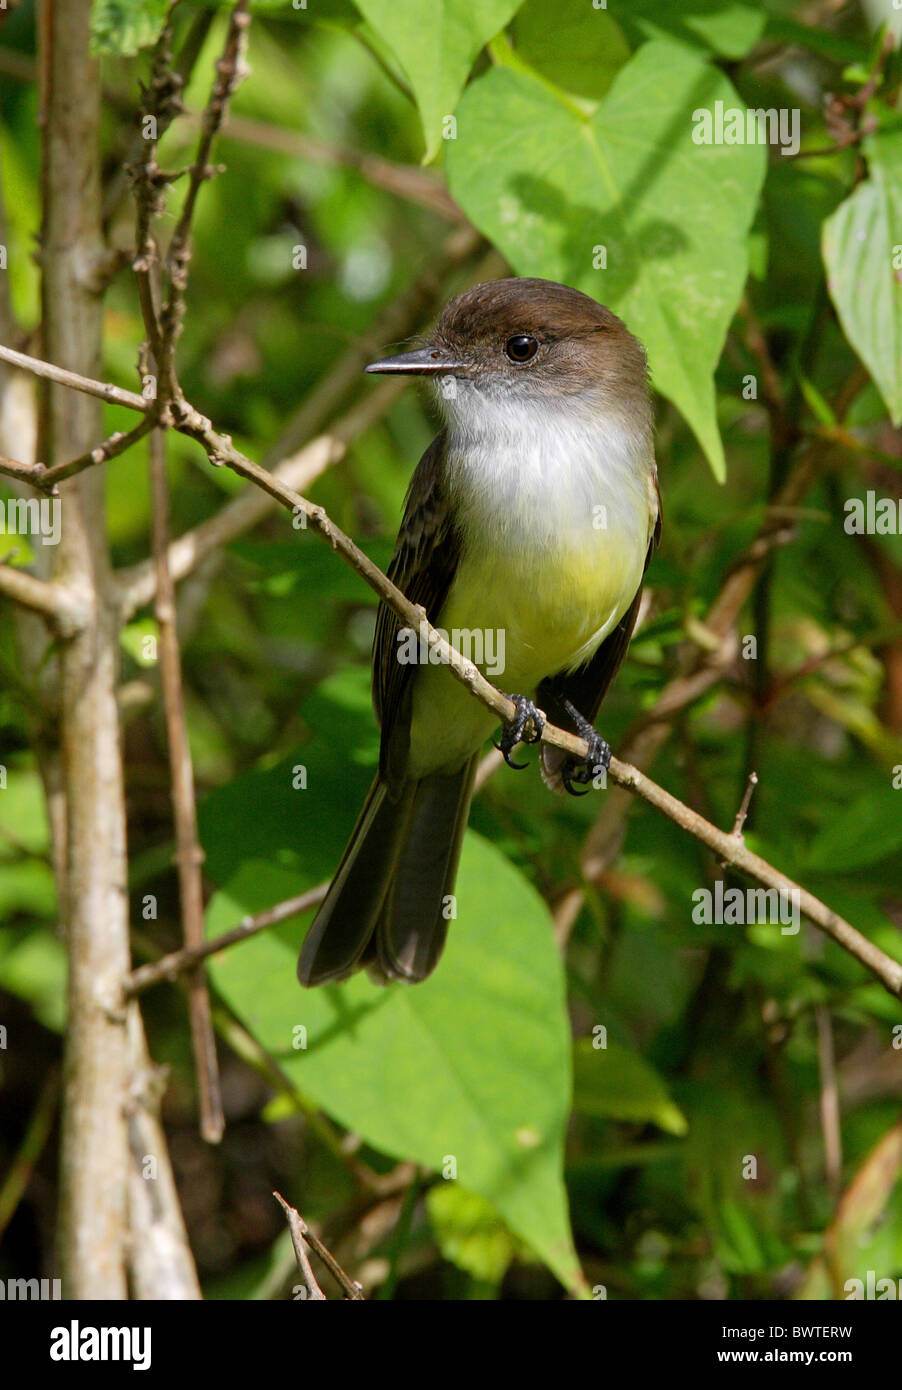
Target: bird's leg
516	731
583	770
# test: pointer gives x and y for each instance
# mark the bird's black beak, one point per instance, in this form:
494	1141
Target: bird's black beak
427	361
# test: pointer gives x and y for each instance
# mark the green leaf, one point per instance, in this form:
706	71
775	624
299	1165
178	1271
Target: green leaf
728	27
865	832
436	45
550	186
470	1233
581	51
122	27
863	274
615	1083
473	1065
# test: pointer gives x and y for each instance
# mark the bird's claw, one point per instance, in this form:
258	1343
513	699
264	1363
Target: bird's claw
518	730
597	760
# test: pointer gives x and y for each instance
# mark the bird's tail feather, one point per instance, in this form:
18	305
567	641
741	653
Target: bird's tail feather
411	930
385	904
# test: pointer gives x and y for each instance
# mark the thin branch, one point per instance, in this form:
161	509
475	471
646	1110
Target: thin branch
104	389
116	444
53	599
46	479
173	964
300	469
298	1229
743	811
163	104
301	1237
221	451
135	584
189	856
25	472
230	71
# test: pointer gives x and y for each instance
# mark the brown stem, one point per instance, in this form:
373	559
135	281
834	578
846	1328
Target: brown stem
94	1158
173	964
301	1236
189	856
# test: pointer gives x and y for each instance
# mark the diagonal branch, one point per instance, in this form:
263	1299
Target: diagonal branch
221	451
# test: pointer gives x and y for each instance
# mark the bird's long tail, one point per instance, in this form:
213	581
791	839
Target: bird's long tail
387	906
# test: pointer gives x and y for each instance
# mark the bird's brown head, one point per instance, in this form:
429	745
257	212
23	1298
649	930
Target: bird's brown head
531	338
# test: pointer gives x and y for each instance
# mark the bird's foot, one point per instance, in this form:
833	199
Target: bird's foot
525	727
596	762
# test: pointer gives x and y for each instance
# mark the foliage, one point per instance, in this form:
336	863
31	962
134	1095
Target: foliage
727	260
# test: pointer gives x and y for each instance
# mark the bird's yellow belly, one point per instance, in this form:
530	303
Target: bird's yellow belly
529	618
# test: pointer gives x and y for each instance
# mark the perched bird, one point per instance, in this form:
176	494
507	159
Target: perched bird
532	517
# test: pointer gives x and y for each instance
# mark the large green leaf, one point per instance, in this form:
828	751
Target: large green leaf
864	275
473	1065
436	44
548	184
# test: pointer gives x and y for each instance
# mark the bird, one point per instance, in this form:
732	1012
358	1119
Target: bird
532	516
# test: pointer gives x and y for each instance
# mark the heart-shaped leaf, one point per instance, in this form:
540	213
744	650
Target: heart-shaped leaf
623	204
436	44
468	1073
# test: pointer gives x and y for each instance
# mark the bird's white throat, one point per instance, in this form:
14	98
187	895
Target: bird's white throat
539	473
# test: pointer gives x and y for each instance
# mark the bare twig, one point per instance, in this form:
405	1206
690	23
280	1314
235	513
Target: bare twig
189	856
25	472
173	964
221	451
46	479
135	584
101	453
47	371
54	600
230	70
300	469
298	1230
163	103
743	811
301	1237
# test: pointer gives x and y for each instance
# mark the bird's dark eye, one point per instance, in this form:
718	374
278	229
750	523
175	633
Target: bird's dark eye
521	347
